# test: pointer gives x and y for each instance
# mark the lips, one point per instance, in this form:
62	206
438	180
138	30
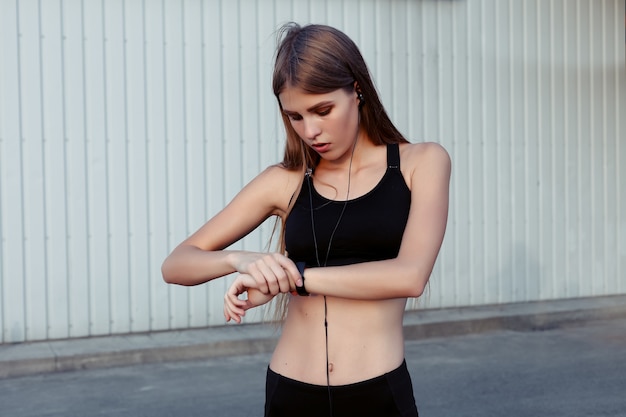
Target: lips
321	147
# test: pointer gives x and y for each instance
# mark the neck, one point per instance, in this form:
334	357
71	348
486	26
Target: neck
354	156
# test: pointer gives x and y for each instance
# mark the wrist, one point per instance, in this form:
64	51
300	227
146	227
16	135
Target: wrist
233	259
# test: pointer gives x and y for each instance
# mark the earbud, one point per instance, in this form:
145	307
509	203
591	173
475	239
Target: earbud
359	94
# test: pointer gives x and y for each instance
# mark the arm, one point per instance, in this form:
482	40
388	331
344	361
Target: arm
201	257
407	274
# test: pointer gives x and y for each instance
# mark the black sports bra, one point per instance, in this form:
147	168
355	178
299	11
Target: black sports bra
371	228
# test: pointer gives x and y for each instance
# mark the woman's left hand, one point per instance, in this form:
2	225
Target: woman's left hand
234	307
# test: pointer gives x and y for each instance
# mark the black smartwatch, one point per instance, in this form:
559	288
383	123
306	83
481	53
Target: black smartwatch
301	290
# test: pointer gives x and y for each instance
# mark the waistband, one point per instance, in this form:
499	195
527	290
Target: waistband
372	382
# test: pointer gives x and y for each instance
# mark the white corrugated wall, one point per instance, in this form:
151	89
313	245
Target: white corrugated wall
125	124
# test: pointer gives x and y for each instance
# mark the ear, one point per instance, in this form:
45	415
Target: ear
359	94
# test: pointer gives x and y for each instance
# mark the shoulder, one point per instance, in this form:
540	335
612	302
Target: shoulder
430	151
277	172
423	161
276	185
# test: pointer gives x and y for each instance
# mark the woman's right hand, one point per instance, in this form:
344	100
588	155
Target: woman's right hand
272	273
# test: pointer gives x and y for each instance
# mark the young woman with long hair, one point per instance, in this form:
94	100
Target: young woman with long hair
363	215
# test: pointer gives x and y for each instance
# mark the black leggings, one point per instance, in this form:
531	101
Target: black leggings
389	395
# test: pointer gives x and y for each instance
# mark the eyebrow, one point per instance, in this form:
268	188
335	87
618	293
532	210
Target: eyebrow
312	108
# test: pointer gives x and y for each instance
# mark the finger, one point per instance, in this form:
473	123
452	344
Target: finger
292	271
235	318
240	285
227	314
234	304
260	282
231	299
266	268
231	314
233	295
248	281
282	277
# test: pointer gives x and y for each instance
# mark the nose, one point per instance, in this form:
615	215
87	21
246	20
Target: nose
311	128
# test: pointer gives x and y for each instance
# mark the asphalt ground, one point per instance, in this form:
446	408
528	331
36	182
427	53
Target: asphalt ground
567	371
536	359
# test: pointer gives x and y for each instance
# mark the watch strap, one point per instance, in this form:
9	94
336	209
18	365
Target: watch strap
301	290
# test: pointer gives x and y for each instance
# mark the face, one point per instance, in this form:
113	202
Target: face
328	123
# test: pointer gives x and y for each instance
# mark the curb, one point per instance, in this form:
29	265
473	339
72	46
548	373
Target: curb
36	358
531	316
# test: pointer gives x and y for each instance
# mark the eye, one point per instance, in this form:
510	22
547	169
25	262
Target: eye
324	112
294	117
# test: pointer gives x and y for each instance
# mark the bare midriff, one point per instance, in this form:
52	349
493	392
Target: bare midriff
365	340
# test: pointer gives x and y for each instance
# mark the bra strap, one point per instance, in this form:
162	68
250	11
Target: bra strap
393	156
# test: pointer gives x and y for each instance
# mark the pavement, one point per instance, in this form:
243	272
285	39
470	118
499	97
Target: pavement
35	358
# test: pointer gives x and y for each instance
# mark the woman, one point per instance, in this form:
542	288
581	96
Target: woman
364	214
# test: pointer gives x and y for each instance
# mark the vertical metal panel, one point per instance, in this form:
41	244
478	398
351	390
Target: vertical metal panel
74	81
488	183
54	163
30	44
155	103
13	253
116	128
97	172
125	124
139	210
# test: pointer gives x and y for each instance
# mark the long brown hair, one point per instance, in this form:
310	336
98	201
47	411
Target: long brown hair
320	59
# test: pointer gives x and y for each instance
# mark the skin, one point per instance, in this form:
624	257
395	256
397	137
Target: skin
365	301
